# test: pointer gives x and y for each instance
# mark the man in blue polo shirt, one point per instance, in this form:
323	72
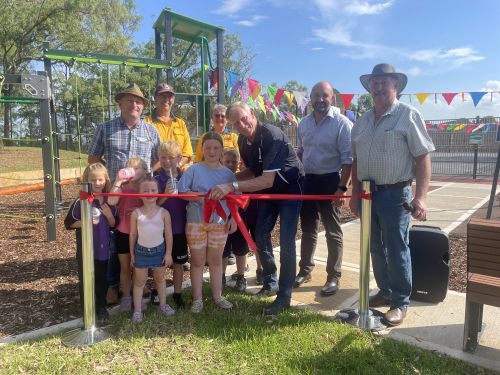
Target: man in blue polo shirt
272	166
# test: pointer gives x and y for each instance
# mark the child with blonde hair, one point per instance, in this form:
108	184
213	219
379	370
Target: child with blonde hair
150	247
137	169
206	240
170	154
103	218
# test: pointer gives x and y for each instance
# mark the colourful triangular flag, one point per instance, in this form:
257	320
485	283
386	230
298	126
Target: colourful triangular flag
277	97
421	97
449	96
347	99
476	97
253	88
289	97
271	91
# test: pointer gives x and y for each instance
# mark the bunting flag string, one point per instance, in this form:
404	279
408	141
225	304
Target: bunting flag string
468	128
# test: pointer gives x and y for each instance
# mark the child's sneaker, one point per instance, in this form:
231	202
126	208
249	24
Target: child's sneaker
179	302
235	275
241	284
166	310
126	303
197	306
137	317
223	303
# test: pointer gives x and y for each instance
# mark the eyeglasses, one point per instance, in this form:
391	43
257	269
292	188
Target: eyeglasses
219	115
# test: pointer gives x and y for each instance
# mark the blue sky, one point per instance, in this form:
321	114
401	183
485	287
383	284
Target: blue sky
442	45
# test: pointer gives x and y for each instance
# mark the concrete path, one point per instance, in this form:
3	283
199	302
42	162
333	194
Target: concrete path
436	327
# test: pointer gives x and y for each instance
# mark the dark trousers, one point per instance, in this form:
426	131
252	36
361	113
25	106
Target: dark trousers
309	218
100	278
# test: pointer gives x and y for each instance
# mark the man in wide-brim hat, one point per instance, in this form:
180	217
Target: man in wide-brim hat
133	90
391	148
113	143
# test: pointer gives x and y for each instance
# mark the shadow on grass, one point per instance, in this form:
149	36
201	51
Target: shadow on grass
245	322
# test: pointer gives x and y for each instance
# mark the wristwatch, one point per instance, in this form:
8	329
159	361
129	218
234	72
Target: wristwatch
342	188
236	186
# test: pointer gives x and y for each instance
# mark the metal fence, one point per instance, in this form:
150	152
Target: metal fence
464	147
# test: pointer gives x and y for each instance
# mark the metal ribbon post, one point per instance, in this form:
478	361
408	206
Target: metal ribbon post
364	317
89	334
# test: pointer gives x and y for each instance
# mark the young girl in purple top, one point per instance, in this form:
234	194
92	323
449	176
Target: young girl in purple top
103	218
170	154
150	247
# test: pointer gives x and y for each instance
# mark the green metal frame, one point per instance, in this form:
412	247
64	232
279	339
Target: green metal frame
139	62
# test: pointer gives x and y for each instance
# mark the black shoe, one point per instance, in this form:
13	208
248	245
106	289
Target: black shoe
330	288
155	299
102	317
301	279
266	292
276	307
231	259
259	279
241	284
179	302
235	275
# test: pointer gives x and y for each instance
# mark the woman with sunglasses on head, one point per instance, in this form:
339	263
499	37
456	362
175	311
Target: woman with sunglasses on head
219	121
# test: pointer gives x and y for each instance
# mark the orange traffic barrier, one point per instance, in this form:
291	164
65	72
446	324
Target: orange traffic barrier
33	187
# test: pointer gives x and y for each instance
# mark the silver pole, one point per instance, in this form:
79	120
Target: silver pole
364	317
89	335
88	262
364	258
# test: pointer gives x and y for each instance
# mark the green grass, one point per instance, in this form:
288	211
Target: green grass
17	159
241	341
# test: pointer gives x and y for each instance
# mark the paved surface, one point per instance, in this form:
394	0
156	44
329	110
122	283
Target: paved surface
436	327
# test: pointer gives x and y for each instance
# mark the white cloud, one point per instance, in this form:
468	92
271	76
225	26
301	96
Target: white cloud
414	71
252	21
366	8
491	85
231	7
456	57
317	48
336	35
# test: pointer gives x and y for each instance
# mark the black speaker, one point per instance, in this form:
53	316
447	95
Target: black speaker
430	259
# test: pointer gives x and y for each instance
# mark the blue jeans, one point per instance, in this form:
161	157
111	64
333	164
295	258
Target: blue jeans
267	215
389	248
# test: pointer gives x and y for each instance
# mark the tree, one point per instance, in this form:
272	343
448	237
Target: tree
365	103
90	26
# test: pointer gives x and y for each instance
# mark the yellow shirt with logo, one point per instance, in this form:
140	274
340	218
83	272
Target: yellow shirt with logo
173	130
230	140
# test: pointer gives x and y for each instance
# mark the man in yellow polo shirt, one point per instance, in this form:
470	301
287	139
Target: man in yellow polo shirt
170	127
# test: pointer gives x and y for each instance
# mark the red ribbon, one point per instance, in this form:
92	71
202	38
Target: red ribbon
86	196
234	203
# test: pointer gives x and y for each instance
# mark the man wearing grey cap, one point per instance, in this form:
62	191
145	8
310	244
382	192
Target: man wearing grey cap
391	147
170	127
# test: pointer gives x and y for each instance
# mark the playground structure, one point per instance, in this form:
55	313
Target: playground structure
38	89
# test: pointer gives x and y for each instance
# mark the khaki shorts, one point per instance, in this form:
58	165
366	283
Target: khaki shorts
201	235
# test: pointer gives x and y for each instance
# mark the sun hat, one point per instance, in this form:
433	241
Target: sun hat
133	89
384	70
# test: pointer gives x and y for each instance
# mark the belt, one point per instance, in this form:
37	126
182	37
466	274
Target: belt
396	185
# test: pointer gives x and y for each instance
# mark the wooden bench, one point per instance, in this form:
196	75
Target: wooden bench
483	276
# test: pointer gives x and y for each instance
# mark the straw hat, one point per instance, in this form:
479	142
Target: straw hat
133	89
384	70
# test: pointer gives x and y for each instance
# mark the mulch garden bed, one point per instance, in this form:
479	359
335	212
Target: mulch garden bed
38	279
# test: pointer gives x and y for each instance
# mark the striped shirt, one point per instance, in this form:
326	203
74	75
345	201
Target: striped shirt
386	152
116	143
326	145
